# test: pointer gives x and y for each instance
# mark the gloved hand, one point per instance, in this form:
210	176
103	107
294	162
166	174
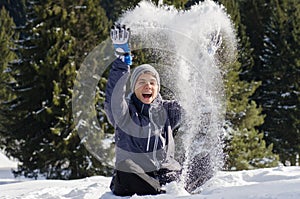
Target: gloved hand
215	43
120	38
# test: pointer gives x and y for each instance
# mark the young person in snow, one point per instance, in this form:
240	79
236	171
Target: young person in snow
143	124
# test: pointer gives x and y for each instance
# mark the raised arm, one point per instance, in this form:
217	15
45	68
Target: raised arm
115	104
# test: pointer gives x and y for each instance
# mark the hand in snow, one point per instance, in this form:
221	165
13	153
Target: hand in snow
215	43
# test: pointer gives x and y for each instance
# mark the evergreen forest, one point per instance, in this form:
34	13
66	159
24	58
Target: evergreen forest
44	42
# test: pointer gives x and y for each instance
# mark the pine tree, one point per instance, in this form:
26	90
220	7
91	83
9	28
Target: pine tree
114	8
246	147
57	36
15	9
7	36
279	93
254	14
177	3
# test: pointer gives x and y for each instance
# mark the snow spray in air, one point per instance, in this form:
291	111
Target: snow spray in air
188	46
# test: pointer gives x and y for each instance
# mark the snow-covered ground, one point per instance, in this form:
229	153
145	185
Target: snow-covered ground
271	183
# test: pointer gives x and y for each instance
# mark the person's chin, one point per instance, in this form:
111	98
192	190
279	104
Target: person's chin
147	101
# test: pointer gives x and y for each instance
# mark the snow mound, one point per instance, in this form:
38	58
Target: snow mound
268	183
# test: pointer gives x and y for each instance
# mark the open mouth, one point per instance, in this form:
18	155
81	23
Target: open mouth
147	96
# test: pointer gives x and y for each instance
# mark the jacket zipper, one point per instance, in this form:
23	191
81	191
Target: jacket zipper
149	131
149	136
156	133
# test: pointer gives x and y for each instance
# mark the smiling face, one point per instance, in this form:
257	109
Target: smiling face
146	88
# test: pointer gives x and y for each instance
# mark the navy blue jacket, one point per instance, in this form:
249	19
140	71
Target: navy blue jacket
143	132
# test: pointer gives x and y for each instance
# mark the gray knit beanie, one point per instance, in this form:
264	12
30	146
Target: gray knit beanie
141	70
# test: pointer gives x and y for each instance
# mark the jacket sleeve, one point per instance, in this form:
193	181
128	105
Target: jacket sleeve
115	104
